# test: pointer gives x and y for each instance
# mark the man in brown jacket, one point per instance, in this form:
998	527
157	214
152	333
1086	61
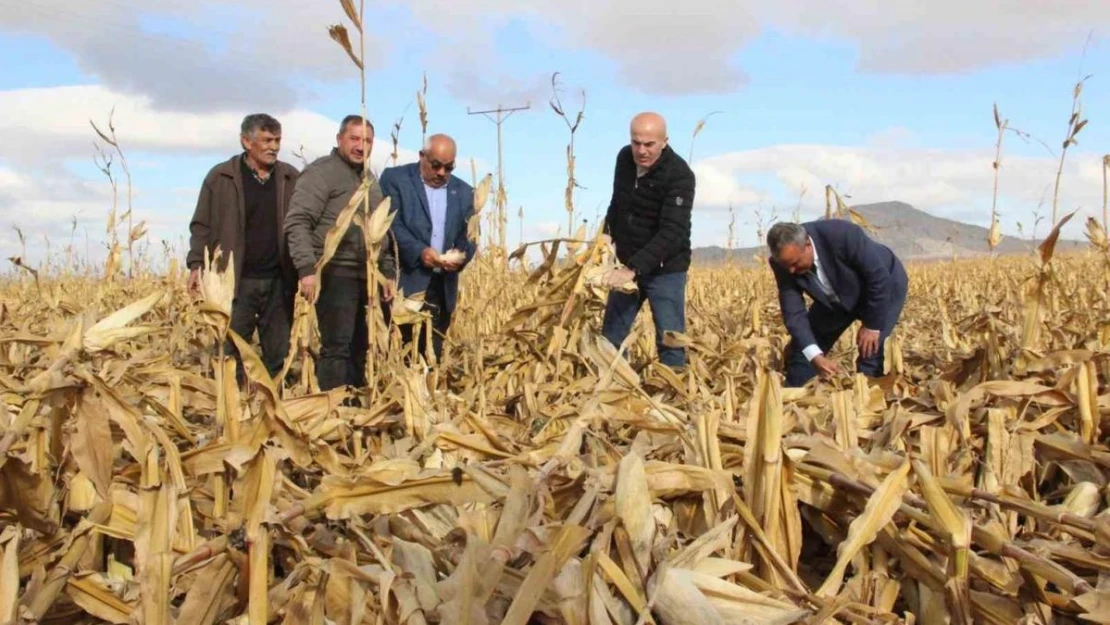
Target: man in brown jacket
241	210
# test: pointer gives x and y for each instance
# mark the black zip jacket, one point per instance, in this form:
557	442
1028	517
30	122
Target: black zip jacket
649	218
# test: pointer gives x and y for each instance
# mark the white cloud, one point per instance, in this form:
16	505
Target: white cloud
185	56
49	124
664	47
893	137
955	184
943	35
54	211
265	47
54	122
49	129
545	229
717	188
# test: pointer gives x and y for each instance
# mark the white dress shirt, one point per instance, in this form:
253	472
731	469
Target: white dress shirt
813	351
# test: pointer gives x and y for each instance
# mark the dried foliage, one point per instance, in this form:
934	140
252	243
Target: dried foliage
1076	122
537	477
556	104
698	127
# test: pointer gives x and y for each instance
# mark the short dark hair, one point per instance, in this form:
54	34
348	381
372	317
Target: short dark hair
785	233
350	119
259	121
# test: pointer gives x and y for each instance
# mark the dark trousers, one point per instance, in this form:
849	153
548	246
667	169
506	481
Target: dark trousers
344	339
828	323
666	294
265	304
435	303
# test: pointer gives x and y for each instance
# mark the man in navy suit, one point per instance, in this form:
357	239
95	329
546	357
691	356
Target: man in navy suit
850	277
433	208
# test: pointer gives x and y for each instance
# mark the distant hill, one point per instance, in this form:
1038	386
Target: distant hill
913	235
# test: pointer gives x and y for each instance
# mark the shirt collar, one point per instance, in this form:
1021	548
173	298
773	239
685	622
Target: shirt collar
262	179
429	189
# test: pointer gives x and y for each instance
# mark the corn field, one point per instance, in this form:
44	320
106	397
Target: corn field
535	476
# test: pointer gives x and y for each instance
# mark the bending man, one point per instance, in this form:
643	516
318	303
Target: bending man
850	277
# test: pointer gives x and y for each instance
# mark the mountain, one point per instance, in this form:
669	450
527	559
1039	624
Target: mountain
911	233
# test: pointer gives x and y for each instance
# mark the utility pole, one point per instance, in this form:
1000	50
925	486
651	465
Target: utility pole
501	114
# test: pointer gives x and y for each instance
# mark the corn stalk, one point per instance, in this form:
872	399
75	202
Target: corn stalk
110	139
697	130
1075	124
572	182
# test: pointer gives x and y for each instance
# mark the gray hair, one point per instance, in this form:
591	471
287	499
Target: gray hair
785	233
259	121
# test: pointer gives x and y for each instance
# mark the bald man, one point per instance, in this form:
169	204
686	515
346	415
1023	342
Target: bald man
648	221
432	208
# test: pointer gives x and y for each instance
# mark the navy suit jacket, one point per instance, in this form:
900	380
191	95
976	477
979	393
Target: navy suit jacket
412	227
863	274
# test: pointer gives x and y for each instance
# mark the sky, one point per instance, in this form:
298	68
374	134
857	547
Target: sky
883	101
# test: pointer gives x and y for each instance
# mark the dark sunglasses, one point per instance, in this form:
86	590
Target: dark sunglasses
436	165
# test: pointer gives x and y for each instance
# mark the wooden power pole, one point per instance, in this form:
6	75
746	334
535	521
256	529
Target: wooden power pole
498	116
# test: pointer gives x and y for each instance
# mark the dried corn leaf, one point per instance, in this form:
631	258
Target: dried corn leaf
881	507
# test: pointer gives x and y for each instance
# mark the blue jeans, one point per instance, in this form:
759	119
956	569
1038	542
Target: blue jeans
828	323
666	294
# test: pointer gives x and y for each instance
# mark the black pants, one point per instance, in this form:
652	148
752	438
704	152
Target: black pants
344	337
828	323
341	315
265	304
435	299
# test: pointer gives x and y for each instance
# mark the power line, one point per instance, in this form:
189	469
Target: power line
502	114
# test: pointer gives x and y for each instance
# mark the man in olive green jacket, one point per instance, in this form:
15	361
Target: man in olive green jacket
323	190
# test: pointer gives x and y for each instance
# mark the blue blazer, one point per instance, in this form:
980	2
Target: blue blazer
863	273
412	227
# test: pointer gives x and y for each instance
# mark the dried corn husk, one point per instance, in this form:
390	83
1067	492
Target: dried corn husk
542	475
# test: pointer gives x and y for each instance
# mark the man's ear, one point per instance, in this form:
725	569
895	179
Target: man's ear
244	141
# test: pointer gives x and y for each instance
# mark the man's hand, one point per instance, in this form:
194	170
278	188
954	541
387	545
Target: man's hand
430	258
194	281
619	277
452	260
868	342
389	289
825	366
308	287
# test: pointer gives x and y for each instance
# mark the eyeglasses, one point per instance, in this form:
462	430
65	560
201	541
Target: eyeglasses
436	165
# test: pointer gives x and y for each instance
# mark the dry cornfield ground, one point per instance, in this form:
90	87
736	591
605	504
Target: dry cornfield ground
537	478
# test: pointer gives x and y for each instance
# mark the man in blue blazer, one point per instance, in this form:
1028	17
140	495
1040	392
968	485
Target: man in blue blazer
849	277
433	208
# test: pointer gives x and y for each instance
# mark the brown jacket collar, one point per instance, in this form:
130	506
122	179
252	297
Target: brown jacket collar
231	169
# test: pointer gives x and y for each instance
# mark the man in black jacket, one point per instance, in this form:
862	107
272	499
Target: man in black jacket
649	222
849	277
